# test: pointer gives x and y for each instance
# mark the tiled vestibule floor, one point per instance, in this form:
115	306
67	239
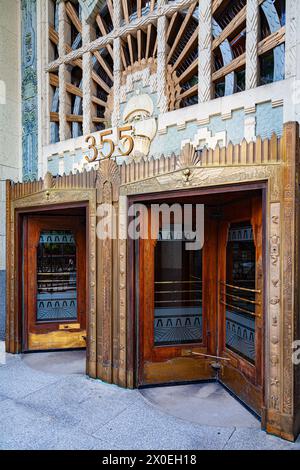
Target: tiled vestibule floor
46	402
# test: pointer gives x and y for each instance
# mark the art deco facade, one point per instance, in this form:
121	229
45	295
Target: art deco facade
133	102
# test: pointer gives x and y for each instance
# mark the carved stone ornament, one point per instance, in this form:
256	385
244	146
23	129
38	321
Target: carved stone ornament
138	112
108	172
48	181
188	157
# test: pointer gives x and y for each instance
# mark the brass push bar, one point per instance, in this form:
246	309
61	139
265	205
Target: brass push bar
241	298
241	288
177	291
239	309
212	357
58	273
176	301
177	282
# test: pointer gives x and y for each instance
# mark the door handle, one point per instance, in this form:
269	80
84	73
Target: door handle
191	353
218	358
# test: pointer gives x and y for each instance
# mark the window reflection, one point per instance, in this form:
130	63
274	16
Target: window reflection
178	291
239	291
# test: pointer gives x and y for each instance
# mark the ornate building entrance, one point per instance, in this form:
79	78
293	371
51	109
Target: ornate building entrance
227	311
201	311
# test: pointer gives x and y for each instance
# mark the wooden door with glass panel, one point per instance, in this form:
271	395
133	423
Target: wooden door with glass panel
54	282
240	321
200	312
173	295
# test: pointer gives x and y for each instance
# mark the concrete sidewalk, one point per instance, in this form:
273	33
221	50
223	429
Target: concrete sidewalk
46	402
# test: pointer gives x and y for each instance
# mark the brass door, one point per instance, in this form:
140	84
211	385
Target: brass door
54	283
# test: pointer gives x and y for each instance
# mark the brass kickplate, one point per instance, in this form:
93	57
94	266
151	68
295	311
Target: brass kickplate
69	326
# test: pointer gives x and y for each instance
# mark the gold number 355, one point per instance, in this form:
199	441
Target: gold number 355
104	140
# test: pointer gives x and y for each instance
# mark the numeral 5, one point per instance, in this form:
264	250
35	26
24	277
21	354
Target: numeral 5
127	138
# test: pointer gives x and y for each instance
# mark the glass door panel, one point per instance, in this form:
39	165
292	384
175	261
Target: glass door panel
177	293
54	283
240	322
172	325
239	292
56	276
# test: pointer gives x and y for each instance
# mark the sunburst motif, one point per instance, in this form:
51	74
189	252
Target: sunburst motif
139	49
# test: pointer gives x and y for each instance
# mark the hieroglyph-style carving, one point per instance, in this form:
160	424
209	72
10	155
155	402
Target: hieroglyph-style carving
274	306
122	287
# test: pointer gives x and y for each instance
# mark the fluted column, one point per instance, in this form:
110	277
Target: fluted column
251	44
205	51
87	83
64	31
292	37
162	63
117	65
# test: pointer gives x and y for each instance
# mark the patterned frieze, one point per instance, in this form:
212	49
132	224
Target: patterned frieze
248	121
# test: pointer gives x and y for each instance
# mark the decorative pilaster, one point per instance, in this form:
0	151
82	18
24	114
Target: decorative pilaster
205	51
107	186
87	68
162	64
64	31
251	44
289	266
123	215
274	308
283	294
